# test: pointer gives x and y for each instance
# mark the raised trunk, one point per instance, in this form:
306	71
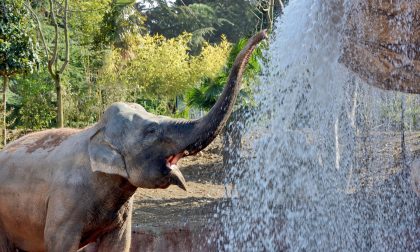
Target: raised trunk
5	86
197	134
60	121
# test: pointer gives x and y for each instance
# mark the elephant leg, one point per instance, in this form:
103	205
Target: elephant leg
118	239
5	244
64	224
63	238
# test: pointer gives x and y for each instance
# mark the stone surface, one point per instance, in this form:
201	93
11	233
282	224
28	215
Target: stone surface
382	43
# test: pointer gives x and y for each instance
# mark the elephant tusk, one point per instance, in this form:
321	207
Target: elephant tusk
176	178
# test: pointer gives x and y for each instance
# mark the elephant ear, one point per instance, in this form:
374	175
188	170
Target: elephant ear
104	157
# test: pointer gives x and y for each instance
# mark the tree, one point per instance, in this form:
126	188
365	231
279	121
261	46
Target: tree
267	10
93	26
34	107
155	68
243	16
84	17
206	20
121	18
53	67
17	50
52	52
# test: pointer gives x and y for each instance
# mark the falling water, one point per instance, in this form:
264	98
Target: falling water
323	162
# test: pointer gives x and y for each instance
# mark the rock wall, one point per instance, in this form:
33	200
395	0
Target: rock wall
382	43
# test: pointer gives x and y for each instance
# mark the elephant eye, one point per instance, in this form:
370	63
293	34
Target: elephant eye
151	130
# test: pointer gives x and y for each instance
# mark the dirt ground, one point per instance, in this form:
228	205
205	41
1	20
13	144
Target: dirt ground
154	208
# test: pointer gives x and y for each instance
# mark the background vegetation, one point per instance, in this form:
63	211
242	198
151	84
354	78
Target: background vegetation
62	62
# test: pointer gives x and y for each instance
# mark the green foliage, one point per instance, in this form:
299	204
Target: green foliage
17	51
80	97
156	68
121	18
206	20
35	105
205	95
113	58
124	2
84	17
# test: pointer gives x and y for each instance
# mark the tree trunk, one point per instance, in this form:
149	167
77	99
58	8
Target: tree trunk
53	63
5	86
60	114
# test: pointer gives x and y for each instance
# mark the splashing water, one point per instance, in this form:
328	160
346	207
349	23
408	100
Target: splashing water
323	163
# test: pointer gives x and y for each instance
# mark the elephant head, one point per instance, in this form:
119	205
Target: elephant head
144	148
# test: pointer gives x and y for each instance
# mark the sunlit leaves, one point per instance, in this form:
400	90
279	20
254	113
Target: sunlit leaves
85	17
155	67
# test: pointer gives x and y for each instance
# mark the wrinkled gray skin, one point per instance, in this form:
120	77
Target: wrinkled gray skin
61	189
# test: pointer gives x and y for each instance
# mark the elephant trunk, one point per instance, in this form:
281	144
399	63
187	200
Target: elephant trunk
195	135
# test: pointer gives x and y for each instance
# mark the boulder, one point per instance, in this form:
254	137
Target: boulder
382	43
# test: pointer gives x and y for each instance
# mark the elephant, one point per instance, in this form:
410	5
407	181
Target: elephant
61	189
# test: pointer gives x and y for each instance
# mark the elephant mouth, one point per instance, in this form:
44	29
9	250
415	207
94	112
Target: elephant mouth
172	161
175	175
